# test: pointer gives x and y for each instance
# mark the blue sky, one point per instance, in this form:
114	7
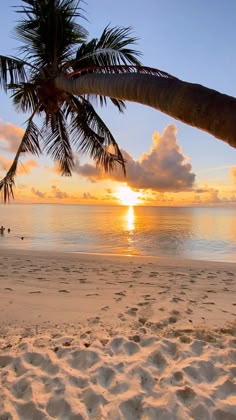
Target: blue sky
193	40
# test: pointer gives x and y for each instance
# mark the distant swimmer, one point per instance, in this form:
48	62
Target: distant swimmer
8	230
22	237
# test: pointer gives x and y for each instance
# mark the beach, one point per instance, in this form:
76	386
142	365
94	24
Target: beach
87	336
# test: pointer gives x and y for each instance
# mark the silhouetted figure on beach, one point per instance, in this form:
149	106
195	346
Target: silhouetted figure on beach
22	237
8	230
2	230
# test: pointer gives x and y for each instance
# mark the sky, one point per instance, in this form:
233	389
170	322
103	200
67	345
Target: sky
168	162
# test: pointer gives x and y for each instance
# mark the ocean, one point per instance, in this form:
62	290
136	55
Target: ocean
175	232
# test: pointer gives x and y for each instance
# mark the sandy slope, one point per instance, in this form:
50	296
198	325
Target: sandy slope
97	337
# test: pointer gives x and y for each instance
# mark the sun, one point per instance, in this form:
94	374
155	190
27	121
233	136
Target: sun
127	196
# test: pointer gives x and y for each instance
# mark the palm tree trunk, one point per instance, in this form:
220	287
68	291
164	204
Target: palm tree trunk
190	103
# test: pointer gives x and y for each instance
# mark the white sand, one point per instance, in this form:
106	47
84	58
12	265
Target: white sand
98	337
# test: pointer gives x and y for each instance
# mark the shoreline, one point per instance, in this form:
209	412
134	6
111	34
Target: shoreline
115	337
99	255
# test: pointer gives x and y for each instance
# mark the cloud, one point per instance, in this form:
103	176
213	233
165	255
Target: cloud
38	193
5	163
207	196
22	168
233	173
201	190
163	168
90	171
27	166
88	196
57	193
213	196
10	136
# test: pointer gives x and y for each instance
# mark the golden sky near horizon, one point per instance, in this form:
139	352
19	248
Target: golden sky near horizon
163	175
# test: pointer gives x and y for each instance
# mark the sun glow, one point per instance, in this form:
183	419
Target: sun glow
127	196
130	218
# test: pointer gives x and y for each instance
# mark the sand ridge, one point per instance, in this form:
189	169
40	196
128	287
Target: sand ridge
87	337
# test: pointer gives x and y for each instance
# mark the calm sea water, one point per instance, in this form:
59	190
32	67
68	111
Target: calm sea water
196	233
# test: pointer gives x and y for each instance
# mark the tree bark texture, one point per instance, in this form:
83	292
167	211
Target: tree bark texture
193	104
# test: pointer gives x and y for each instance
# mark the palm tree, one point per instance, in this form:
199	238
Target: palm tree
54	44
60	72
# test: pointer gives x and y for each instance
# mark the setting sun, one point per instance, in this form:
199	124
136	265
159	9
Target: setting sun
127	196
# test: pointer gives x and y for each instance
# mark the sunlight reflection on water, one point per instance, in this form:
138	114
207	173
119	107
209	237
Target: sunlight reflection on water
198	233
130	217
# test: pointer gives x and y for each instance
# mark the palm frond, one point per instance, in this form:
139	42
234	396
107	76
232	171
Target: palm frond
24	96
121	69
91	136
57	143
118	103
29	143
12	71
111	49
49	31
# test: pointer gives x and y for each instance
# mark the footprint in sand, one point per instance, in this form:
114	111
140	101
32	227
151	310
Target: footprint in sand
121	317
176	299
94	320
175	312
63	291
120	294
132	311
153	274
36	291
208	303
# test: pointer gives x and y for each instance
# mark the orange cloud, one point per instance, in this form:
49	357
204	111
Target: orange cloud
10	136
164	168
38	193
5	163
54	193
233	173
88	196
27	166
23	167
57	193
